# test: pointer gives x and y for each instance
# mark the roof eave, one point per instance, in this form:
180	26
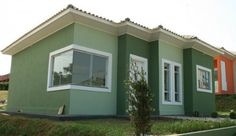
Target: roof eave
48	27
206	48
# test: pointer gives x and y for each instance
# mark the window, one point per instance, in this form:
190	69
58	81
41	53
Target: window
62	69
77	67
216	79
141	63
223	75
177	83
167	82
172	82
204	79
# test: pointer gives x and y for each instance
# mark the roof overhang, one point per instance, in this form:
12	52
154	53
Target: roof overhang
71	15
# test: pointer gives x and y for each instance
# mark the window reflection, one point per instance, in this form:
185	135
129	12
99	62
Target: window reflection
79	68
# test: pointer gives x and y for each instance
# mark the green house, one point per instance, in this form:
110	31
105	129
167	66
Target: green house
80	60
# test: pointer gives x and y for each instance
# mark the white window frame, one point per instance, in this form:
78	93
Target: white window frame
172	91
79	87
205	69
142	59
216	83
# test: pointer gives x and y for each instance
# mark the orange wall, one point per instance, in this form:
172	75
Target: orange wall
229	74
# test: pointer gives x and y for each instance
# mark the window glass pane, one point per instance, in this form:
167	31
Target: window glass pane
99	71
177	83
62	69
82	69
203	79
166	82
139	65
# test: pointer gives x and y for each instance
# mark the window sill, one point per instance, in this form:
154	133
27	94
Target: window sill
76	87
172	103
204	90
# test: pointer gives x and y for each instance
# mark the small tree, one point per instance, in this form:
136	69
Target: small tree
139	100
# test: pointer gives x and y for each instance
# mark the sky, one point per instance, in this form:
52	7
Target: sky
213	21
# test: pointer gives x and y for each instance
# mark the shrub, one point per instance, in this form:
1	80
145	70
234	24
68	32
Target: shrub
139	100
232	115
214	114
225	103
196	114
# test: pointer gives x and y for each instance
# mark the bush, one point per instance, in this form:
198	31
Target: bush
196	114
139	100
225	103
214	114
232	115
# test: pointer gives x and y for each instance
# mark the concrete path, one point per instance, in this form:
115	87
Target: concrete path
198	118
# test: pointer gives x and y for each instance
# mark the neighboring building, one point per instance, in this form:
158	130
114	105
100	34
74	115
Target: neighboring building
225	73
81	60
4	82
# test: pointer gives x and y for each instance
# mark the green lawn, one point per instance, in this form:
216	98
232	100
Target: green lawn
15	126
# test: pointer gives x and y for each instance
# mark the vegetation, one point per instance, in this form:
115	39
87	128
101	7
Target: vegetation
226	103
214	114
3	95
3	86
139	100
232	115
16	125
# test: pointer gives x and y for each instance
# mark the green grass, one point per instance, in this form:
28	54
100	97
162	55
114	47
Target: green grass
20	126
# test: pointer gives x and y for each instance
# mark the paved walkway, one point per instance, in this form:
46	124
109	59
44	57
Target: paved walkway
198	118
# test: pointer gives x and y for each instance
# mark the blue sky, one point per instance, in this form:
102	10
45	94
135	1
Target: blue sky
213	21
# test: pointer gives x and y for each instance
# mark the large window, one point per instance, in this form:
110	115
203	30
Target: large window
204	79
172	82
76	67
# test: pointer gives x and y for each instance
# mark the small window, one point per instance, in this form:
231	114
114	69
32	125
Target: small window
204	79
141	63
77	67
172	82
223	76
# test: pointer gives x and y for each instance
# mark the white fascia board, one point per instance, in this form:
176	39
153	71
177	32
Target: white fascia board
206	48
70	16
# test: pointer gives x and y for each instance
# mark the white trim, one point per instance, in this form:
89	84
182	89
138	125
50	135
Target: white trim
85	49
69	16
142	59
172	92
205	69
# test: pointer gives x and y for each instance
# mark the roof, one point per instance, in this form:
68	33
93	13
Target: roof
72	14
4	78
229	54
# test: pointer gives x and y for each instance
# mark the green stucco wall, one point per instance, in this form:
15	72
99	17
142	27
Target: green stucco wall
202	102
84	102
29	69
28	85
127	45
172	53
153	68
